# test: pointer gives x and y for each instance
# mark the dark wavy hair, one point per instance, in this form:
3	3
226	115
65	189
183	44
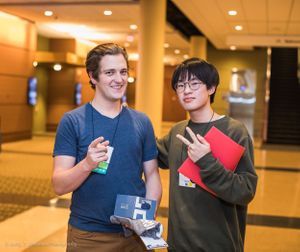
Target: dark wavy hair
96	54
202	70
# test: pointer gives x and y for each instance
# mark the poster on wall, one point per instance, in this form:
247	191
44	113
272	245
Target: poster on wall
32	91
78	94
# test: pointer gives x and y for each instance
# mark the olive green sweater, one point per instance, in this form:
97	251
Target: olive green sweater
199	221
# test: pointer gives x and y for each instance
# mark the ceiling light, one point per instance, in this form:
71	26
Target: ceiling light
166	45
133	56
126	44
87	42
133	26
80	32
35	63
57	67
232	12
232	48
238	27
234	69
48	13
107	12
130	79
176	51
185	56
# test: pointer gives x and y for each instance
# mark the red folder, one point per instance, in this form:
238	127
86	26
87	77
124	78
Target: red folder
223	148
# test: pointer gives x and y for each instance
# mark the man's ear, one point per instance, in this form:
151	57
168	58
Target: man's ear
92	78
211	90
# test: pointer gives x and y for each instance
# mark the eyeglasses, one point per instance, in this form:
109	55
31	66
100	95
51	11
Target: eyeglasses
193	85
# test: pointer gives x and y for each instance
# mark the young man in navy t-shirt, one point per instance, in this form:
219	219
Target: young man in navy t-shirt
118	138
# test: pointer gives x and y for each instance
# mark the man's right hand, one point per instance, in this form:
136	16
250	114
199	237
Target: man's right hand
96	153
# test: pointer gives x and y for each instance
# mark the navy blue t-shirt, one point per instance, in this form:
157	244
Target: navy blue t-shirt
134	143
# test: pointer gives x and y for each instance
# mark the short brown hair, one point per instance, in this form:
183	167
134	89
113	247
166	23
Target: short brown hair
96	54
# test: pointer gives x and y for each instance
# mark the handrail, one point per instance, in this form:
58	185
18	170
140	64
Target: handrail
267	96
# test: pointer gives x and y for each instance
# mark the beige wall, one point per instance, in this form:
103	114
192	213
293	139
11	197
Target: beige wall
17	48
224	62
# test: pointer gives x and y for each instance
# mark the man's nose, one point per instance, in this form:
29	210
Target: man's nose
118	77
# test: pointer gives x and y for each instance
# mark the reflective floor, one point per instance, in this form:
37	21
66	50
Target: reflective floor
33	219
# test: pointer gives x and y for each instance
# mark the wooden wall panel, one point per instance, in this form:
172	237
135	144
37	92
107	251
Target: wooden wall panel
15	118
61	86
16	61
172	110
63	45
60	95
13	90
16	32
17	49
87	92
55	113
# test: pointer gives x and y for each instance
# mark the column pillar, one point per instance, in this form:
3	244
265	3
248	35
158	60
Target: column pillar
198	47
150	69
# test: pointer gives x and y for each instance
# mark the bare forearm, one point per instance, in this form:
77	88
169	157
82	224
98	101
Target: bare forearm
65	181
154	188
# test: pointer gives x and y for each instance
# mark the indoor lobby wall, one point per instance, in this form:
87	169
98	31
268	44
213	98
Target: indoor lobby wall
60	95
17	49
61	84
41	73
225	60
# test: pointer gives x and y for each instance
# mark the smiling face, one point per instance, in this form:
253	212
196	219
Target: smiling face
112	79
193	94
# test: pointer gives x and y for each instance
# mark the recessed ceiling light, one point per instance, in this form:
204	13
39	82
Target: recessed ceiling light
238	27
133	56
133	26
57	67
130	79
232	48
48	13
107	12
176	51
232	12
186	56
166	45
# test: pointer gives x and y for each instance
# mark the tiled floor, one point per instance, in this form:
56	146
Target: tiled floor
31	222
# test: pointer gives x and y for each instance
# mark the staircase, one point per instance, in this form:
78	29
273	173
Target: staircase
284	104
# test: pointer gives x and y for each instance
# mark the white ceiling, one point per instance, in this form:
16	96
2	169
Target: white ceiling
86	21
265	22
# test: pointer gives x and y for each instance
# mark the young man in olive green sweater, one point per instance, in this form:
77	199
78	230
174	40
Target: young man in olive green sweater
198	220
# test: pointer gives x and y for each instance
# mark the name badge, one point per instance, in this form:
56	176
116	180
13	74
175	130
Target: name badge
103	166
185	181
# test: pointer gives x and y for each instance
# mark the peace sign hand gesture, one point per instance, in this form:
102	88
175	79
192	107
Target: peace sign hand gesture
198	148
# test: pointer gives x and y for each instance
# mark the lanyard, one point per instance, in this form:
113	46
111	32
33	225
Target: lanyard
115	130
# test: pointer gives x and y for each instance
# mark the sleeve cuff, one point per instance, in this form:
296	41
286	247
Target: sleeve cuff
150	157
206	160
